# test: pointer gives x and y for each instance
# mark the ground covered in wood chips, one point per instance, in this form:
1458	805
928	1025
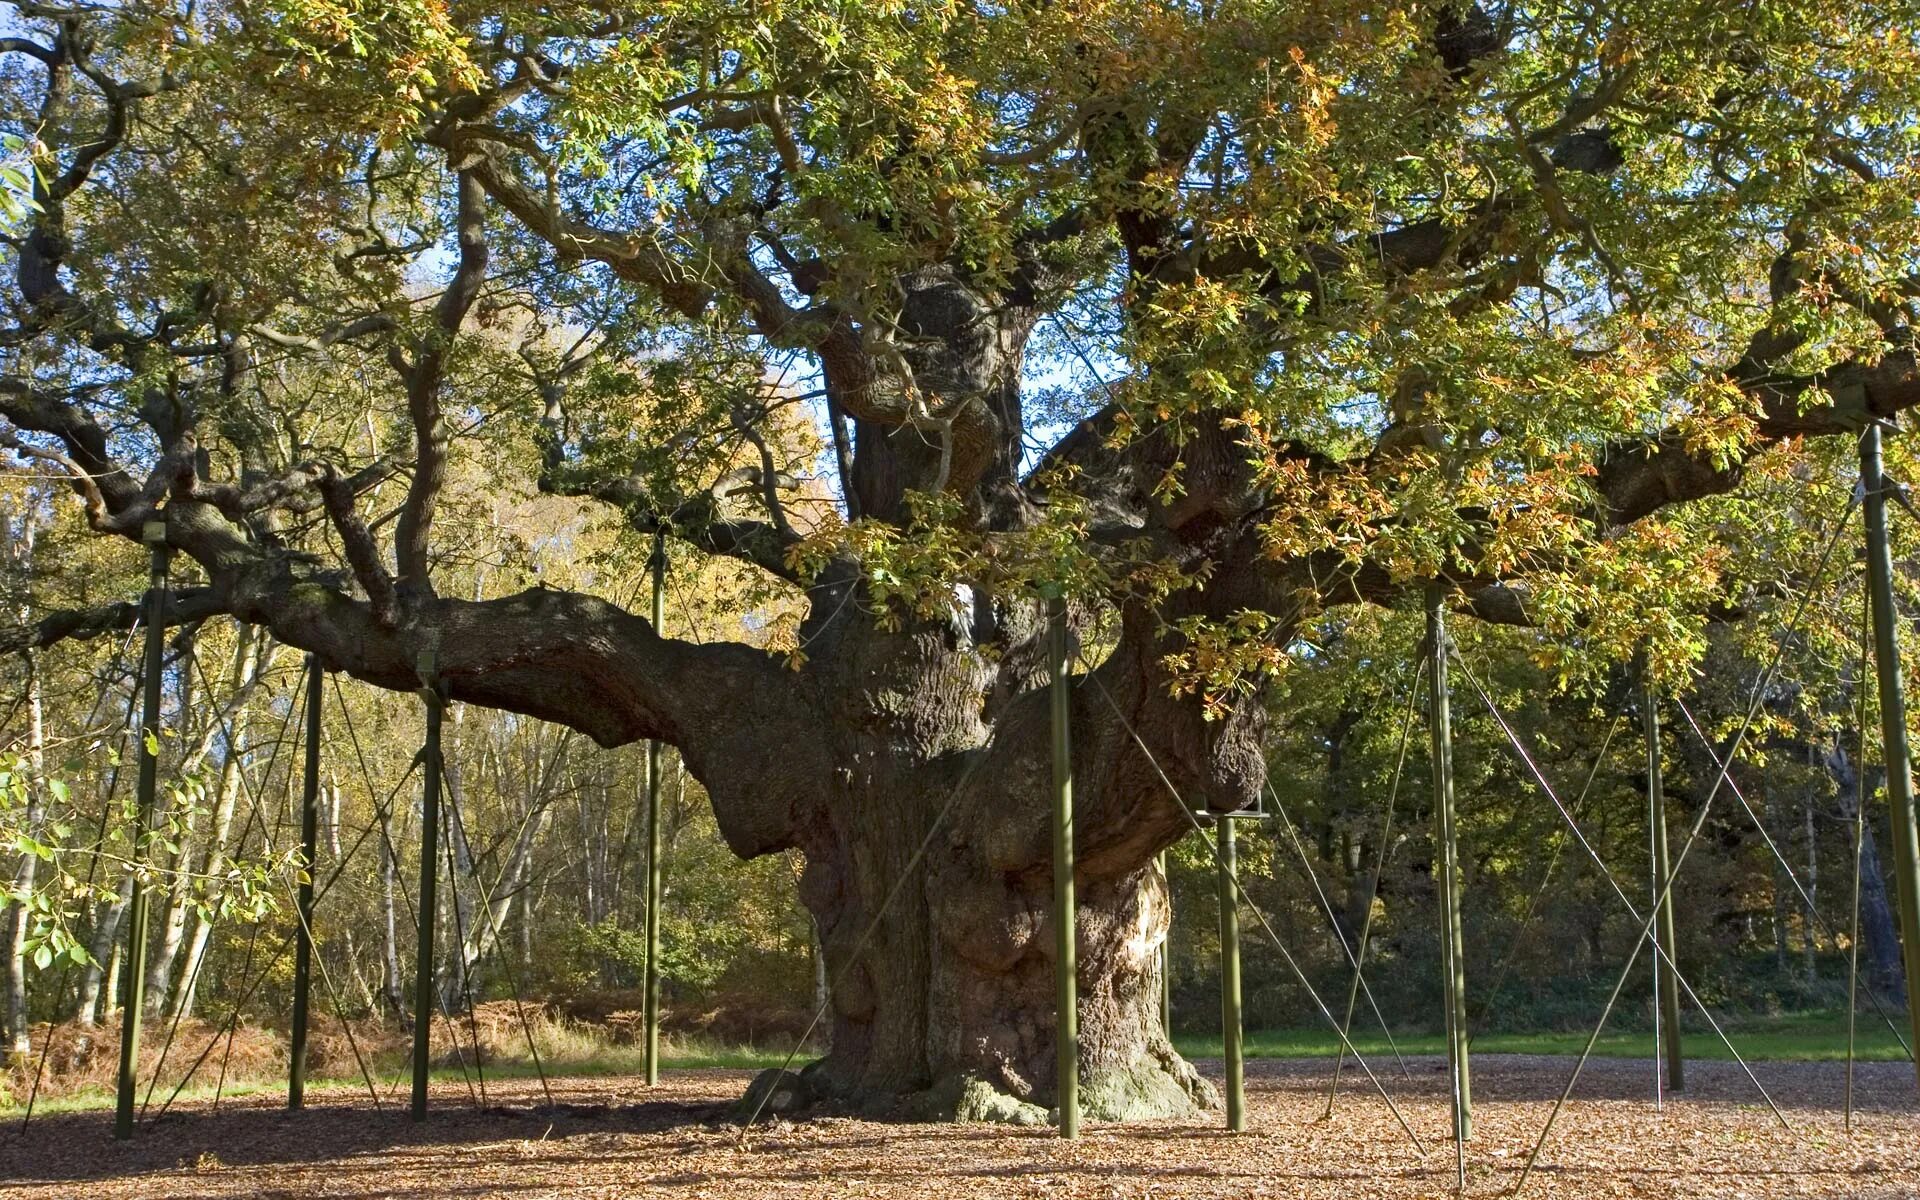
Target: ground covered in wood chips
615	1137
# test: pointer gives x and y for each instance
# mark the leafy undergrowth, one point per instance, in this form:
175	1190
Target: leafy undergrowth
198	1060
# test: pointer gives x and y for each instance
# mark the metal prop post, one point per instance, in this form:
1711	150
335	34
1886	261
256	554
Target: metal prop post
1666	971
1166	953
1226	857
1454	983
1066	958
303	944
1893	716
423	982
655	885
154	534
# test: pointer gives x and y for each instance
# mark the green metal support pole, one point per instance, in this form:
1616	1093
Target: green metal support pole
1664	926
423	983
1166	953
1226	857
154	534
303	931
1893	716
655	886
1066	963
1440	728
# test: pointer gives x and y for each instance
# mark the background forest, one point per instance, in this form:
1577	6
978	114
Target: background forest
543	887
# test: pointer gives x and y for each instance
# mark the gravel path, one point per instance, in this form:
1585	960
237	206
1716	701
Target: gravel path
614	1137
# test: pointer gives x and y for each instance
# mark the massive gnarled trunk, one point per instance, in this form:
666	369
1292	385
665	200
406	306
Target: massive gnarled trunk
943	963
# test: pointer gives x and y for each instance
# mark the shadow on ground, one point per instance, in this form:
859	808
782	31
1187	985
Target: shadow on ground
616	1137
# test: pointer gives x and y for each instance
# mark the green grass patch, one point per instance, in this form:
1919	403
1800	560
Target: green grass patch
1799	1037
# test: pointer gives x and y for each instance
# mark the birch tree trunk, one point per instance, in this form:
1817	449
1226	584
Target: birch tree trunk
18	1024
17	922
390	989
1812	881
250	661
105	944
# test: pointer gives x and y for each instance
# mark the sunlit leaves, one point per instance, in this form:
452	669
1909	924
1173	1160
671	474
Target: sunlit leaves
16	180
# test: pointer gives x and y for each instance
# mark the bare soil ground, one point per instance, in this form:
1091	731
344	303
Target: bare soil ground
614	1137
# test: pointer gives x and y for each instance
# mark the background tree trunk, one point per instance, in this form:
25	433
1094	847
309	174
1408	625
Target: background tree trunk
19	1023
391	989
94	1000
249	663
1879	940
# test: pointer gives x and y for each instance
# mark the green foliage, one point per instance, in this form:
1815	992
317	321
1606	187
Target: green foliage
16	180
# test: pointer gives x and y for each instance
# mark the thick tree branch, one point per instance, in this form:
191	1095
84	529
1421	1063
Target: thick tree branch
102	482
414	532
185	607
363	554
698	521
476	151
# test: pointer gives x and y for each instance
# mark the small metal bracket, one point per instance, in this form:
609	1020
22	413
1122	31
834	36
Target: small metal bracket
1256	813
426	665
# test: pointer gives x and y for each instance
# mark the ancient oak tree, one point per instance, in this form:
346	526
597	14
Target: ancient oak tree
1211	315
